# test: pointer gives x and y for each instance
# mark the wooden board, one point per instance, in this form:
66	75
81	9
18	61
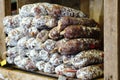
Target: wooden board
84	6
22	75
34	72
112	39
5	9
95	10
17	74
118	32
7	4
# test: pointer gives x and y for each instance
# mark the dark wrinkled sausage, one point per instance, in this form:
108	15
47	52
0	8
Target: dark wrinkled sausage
88	57
90	72
55	34
79	31
66	21
76	45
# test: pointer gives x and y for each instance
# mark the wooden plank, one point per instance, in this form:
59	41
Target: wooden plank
34	72
21	75
84	6
118	15
94	9
97	13
111	39
15	74
5	9
50	75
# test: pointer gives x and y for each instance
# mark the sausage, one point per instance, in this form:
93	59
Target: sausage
22	43
11	21
88	57
26	22
76	45
24	63
67	59
11	53
33	55
49	9
7	30
33	31
56	59
32	43
60	42
49	45
90	72
44	55
43	22
79	31
16	33
10	41
40	65
49	68
42	36
67	21
25	10
55	34
66	70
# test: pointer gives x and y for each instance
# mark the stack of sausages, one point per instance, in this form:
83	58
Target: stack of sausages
54	39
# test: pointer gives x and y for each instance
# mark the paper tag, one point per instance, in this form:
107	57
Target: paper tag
4	62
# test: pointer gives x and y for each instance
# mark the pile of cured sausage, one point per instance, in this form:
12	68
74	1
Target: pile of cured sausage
54	39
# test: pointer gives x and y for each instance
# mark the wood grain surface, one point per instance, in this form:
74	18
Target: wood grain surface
112	39
5	9
16	74
13	74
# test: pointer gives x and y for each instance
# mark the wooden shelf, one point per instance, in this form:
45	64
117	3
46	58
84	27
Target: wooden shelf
105	12
15	74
